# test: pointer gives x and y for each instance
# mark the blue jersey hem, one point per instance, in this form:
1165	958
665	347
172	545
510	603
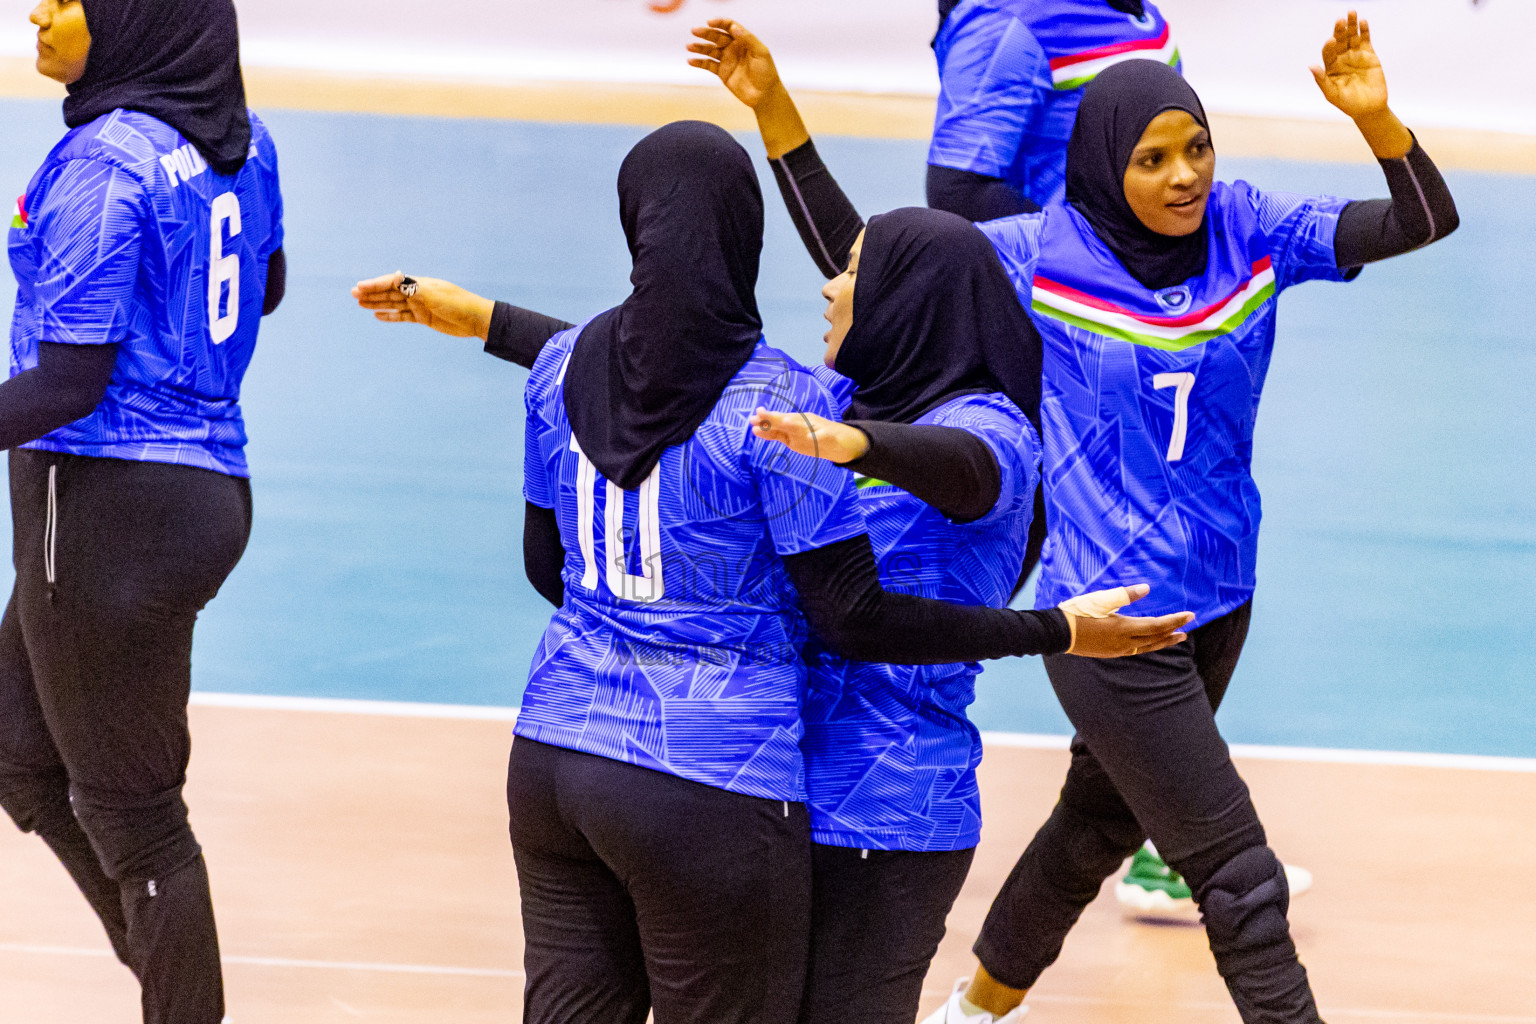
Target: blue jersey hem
136	452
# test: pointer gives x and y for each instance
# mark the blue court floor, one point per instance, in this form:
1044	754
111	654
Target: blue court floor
1395	448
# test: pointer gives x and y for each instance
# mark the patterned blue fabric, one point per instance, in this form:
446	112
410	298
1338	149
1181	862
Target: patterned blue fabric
890	756
117	247
1001	112
1129	498
678	646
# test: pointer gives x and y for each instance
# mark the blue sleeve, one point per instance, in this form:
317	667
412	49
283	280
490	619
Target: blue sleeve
1299	232
548	369
1007	432
88	234
809	503
994	78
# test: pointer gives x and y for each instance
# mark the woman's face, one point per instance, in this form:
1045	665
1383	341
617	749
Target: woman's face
1169	177
839	295
63	40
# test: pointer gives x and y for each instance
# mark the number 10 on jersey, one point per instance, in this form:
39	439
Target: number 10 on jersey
643	589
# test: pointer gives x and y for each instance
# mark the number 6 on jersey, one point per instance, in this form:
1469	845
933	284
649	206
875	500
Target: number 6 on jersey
1185	383
223	269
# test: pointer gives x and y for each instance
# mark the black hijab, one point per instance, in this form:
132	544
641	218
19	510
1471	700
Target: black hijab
176	60
644	375
1116	109
934	317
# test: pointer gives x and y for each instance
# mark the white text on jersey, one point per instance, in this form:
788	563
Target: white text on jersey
183	164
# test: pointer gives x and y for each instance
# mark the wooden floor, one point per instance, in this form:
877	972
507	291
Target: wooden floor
362	871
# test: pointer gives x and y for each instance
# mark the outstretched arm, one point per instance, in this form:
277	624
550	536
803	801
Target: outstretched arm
509	332
1421	209
948	468
826	220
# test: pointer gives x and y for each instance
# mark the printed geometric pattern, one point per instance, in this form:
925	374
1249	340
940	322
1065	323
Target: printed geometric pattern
115	247
696	669
890	757
1148	450
1011	77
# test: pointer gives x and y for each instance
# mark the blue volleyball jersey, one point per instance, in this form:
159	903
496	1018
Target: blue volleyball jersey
678	645
125	235
1150	398
1012	73
890	756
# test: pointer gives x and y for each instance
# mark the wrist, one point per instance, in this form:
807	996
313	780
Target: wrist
779	123
1387	136
483	310
852	443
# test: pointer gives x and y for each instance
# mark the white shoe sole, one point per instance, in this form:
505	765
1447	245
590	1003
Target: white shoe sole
1157	905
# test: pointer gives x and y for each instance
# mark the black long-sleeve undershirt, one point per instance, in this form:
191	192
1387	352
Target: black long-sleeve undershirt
277	282
67	384
852	614
975	197
543	554
518	335
1420	211
948	468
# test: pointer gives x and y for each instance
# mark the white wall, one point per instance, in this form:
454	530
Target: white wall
1449	62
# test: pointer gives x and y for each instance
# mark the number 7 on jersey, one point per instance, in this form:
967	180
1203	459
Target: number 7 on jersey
1185	383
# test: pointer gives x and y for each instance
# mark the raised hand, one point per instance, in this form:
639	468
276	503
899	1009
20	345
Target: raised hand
438	304
738	57
1352	80
812	435
1350	76
1100	631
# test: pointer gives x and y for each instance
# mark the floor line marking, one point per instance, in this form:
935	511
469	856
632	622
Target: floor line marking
288	962
1026	741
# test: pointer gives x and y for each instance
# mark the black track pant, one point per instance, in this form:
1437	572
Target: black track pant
114	560
1148	761
876	922
642	890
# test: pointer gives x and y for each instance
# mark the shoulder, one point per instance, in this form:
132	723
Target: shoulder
771	378
992	417
1017	238
125	139
549	368
263	149
838	387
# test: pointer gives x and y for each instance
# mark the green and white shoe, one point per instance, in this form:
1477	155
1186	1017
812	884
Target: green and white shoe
1151	890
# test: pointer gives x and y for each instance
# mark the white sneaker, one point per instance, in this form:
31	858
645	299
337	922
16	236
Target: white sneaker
950	1012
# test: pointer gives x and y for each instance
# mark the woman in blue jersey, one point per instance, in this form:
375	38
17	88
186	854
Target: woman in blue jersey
1155	290
929	348
656	784
1011	75
146	250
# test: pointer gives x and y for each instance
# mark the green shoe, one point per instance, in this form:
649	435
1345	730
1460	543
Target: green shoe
1151	889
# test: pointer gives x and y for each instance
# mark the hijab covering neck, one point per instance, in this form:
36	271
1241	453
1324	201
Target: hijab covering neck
1116	109
645	374
175	60
935	317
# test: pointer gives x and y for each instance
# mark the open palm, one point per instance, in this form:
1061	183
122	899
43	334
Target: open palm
741	60
1351	77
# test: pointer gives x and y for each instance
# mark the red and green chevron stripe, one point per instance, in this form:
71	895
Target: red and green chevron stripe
1174	334
19	218
1078	69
